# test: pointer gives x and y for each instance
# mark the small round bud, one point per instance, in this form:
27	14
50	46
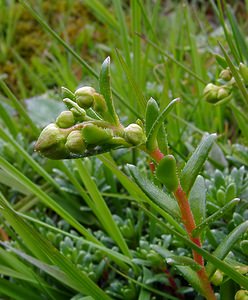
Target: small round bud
210	93
213	93
223	92
243	70
217	278
99	103
65	119
51	142
134	134
85	96
226	75
241	295
95	135
75	142
167	172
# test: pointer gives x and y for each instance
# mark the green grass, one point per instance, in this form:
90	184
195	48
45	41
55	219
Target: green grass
104	227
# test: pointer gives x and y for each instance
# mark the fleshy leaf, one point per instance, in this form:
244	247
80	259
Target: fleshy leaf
195	163
226	245
152	135
197	200
105	89
156	194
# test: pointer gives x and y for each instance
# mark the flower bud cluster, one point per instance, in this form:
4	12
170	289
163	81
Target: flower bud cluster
226	85
213	93
82	130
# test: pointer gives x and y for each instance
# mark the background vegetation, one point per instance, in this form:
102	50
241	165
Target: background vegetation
93	228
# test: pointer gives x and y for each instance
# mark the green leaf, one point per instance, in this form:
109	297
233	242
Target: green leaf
197	200
242	120
19	107
228	290
195	163
45	251
239	38
226	245
217	215
105	89
224	267
102	209
152	135
17	292
187	272
183	261
139	195
46	199
221	61
155	193
152	113
145	295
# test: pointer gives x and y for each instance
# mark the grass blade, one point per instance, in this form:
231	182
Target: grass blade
136	89
36	190
41	247
102	209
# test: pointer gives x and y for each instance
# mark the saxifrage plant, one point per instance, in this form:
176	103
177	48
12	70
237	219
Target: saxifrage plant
91	126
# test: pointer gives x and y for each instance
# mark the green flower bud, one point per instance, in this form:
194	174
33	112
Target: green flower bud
217	278
95	135
223	92
75	142
167	172
65	119
85	96
241	295
243	70
210	93
243	269
100	105
134	134
226	74
51	142
66	93
213	93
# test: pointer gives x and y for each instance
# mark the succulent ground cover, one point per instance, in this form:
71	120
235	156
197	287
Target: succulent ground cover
129	179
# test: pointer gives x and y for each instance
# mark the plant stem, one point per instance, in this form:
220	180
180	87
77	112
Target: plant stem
189	223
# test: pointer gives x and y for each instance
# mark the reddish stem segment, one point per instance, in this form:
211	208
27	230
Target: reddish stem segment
189	223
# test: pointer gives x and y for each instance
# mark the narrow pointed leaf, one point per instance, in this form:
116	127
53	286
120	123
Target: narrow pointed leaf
152	113
196	162
197	200
102	208
226	245
46	251
187	272
47	200
134	85
105	90
155	193
217	215
152	135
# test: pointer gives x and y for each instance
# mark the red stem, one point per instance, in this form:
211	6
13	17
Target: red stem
189	223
